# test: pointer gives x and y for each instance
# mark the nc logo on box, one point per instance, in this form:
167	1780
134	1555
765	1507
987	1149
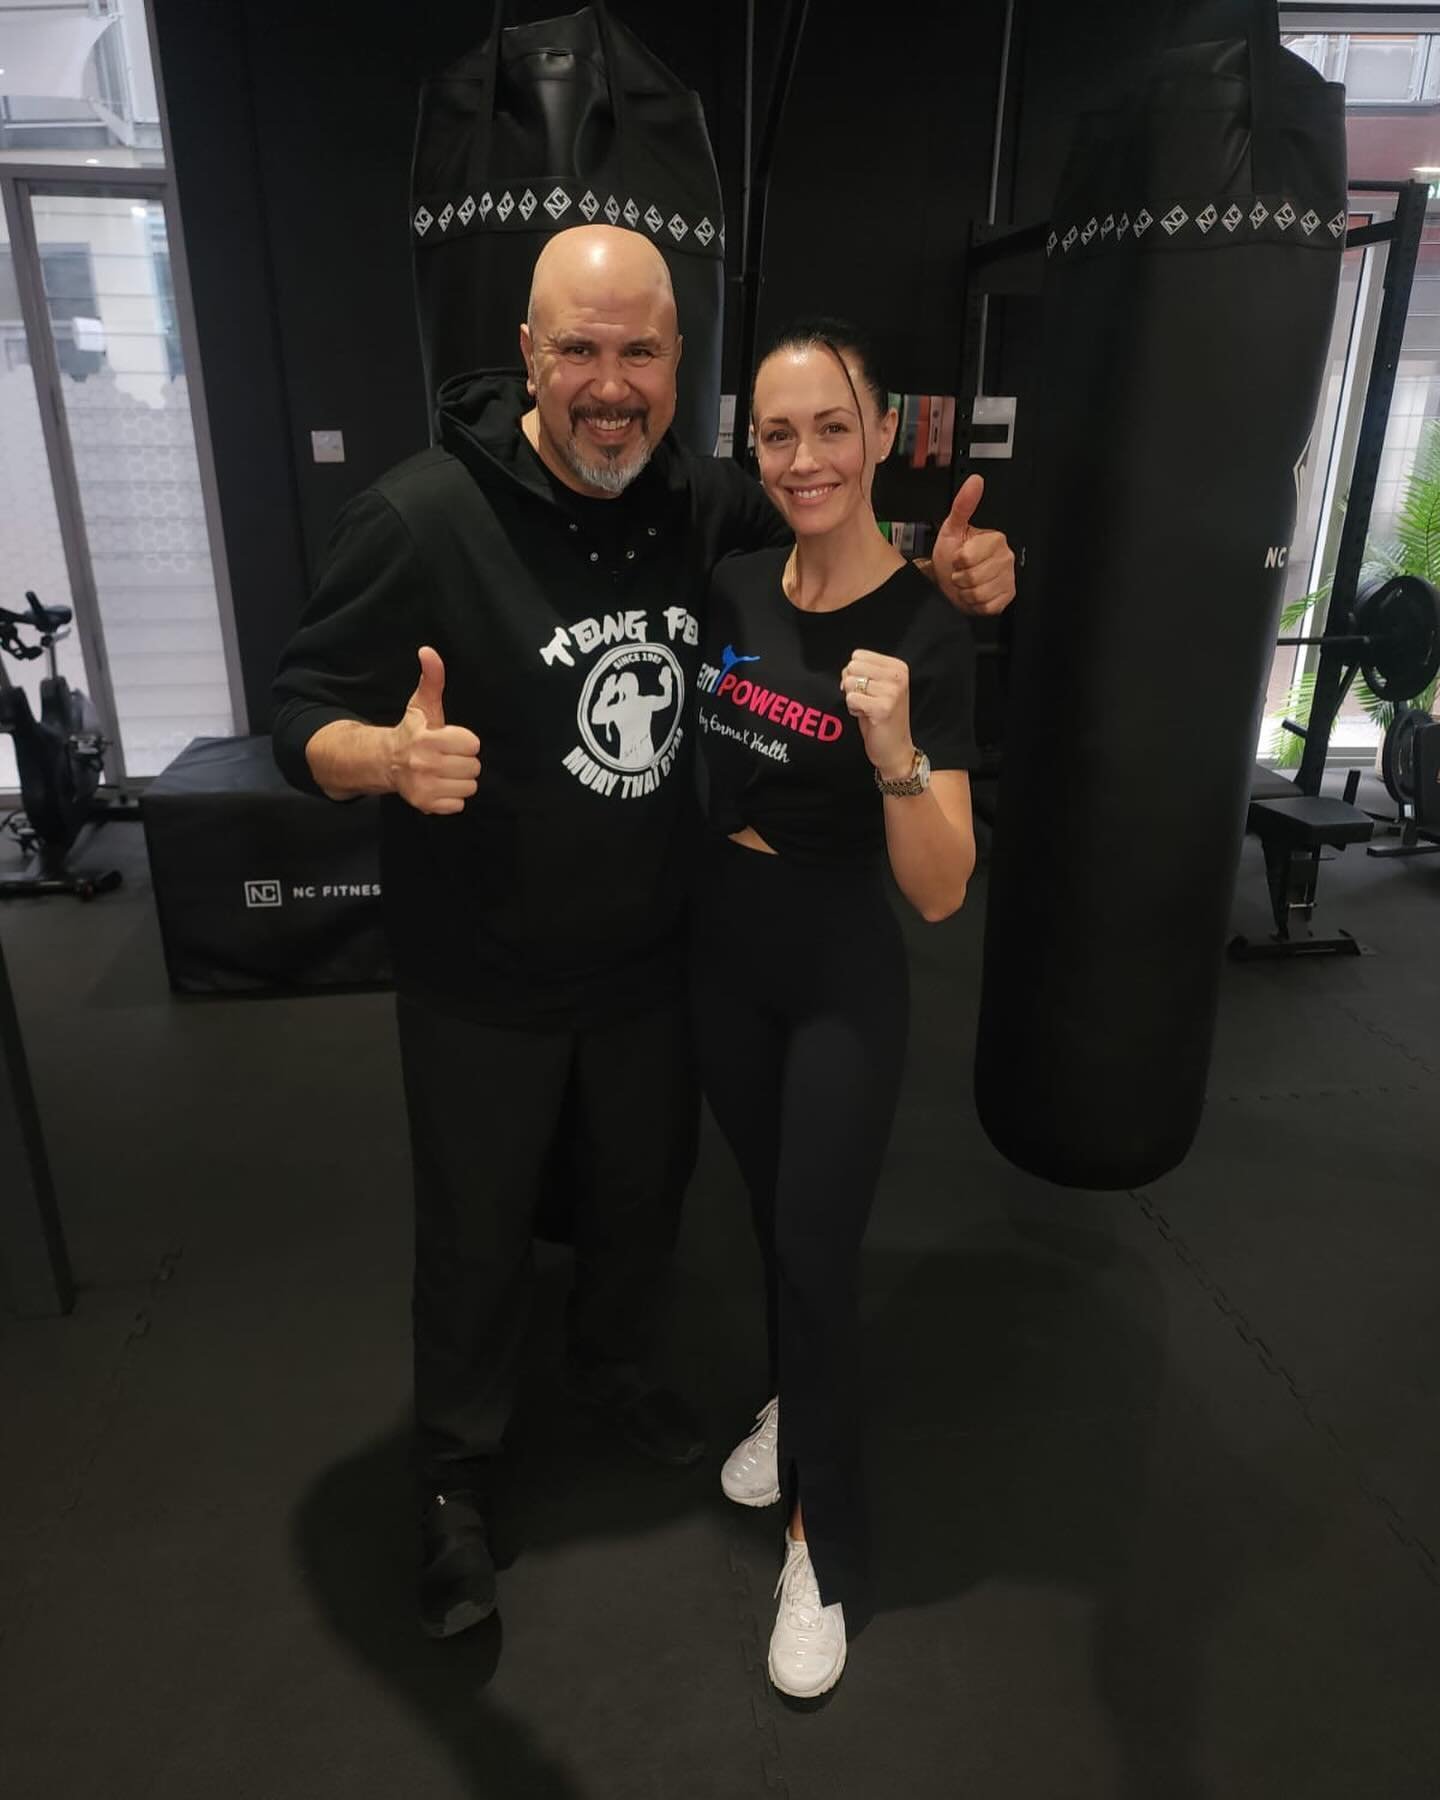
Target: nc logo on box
263	893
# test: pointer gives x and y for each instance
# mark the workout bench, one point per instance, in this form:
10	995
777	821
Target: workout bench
1293	829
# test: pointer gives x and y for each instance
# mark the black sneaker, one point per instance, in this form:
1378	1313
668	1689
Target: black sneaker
457	1574
652	1420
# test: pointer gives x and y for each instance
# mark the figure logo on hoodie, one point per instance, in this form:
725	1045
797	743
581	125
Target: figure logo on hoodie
630	708
631	704
629	719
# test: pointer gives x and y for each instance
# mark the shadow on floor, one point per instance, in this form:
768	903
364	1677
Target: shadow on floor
1026	1453
354	1534
563	1480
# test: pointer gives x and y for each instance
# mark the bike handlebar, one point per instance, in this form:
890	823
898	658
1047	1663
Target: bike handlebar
49	621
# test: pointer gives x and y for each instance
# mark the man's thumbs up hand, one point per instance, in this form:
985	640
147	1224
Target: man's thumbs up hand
974	568
433	766
429	696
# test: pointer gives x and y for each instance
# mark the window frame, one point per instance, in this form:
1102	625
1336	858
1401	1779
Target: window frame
152	183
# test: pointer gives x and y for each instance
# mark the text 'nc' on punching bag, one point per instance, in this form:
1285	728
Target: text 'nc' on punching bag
567	121
1193	262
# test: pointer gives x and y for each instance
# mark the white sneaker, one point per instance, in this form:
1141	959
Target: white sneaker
807	1646
750	1476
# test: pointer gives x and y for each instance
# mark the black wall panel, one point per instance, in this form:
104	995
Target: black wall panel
884	160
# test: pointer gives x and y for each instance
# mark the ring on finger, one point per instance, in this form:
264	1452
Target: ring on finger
860	685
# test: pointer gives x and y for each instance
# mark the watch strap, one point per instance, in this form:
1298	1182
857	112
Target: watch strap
906	786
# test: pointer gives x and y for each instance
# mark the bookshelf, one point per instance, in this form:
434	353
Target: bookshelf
913	487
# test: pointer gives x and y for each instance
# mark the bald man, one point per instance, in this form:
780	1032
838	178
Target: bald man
503	644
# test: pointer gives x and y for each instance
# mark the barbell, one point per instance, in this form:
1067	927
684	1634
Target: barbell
1396	636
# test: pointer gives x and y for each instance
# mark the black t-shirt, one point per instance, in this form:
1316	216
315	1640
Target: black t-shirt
606	520
782	752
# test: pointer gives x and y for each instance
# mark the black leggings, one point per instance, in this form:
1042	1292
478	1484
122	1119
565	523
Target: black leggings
801	994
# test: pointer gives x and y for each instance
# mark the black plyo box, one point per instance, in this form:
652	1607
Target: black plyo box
259	887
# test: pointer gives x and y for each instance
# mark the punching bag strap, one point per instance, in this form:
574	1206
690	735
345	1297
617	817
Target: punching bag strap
1266	162
1257	21
491	78
606	27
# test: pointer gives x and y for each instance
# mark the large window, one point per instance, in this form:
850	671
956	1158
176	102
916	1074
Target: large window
1377	69
32	549
1392	97
98	441
77	84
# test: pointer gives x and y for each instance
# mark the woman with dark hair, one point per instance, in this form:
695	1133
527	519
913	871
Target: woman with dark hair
835	719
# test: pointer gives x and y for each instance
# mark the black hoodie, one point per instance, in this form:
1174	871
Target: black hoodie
569	630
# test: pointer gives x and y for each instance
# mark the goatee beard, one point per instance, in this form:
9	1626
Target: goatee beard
610	477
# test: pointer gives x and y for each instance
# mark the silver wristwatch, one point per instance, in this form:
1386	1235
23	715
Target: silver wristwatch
915	782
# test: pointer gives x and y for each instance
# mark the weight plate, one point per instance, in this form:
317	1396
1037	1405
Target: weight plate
1400	615
1427	776
1397	754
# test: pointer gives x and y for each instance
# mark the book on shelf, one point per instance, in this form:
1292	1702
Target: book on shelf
925	435
920	454
911	537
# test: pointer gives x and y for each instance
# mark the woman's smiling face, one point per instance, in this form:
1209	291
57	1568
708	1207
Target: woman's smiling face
817	454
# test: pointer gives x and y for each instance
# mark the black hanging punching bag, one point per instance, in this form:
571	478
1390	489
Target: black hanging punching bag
564	122
1193	260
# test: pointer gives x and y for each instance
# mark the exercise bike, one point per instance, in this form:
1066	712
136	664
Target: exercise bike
60	757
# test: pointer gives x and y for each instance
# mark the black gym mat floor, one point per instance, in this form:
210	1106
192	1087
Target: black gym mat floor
1156	1475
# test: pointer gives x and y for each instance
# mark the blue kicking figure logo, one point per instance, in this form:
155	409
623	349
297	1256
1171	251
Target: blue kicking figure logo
728	659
